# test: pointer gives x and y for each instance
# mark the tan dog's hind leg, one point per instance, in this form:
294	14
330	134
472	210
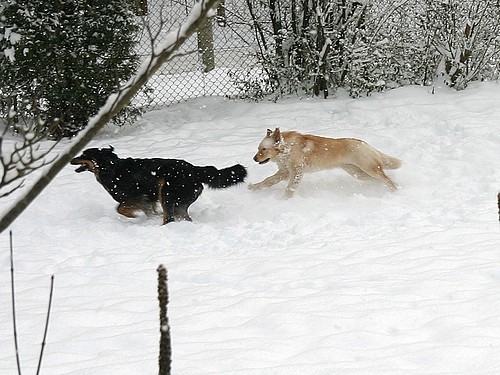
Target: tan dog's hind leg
377	172
356	172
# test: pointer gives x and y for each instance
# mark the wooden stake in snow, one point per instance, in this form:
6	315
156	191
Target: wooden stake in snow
165	357
498	199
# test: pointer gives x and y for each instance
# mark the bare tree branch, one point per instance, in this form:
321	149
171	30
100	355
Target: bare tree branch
25	156
115	103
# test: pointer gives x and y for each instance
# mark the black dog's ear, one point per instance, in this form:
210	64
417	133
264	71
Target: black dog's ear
110	149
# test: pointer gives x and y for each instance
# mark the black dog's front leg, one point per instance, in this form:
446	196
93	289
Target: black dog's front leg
126	209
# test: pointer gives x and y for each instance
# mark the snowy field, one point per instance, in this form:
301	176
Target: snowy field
345	278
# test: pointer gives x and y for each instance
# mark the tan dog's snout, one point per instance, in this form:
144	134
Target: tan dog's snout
261	158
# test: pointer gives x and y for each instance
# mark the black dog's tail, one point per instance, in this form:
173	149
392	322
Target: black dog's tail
221	178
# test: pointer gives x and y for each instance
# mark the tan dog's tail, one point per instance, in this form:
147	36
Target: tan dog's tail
389	162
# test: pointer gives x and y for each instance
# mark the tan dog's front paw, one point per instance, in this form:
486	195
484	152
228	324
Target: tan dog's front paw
254	187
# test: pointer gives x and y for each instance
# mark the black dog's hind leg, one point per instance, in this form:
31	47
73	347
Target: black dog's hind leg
171	209
168	208
168	212
189	195
176	199
181	212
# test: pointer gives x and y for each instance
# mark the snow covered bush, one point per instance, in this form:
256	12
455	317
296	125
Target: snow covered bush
317	46
60	59
301	42
466	36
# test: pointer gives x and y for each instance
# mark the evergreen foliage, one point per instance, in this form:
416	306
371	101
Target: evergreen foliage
60	59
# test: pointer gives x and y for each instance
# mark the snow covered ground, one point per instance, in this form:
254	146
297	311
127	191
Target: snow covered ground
344	278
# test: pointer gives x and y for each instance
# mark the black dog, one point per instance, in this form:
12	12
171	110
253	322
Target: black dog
138	184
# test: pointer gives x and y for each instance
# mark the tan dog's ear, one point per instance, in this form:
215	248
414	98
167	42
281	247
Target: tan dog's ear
277	136
269	132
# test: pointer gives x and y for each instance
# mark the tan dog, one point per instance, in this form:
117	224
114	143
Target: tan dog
297	153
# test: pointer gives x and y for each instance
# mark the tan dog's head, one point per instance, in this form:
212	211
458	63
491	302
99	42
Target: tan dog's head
269	148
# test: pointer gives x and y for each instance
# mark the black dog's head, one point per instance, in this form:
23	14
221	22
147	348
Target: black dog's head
94	158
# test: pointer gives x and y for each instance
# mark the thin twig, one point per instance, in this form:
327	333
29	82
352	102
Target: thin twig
13	293
46	325
498	198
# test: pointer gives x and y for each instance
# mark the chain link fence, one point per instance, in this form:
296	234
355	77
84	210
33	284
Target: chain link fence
209	62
